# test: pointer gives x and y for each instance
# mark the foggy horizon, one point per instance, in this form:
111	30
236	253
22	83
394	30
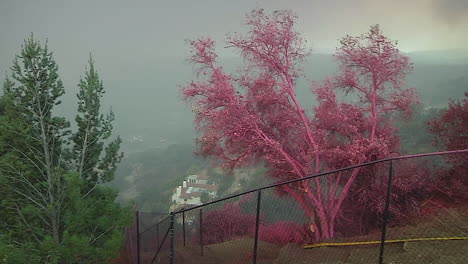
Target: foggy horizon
140	50
167	148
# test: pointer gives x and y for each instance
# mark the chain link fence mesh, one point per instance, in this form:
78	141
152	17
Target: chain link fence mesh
429	224
339	217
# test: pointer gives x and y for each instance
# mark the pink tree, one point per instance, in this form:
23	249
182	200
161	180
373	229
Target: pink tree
360	129
227	223
451	133
255	116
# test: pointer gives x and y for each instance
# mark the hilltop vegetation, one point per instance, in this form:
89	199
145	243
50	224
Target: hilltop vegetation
53	206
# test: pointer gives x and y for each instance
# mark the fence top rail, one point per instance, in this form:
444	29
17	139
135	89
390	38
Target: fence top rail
324	174
164	219
154	213
153	225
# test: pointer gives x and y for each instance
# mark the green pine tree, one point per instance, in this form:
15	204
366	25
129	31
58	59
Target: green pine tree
34	165
48	212
94	129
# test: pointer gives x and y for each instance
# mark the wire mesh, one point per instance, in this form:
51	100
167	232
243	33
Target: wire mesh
427	220
341	217
187	246
281	228
161	253
225	233
130	248
328	209
149	234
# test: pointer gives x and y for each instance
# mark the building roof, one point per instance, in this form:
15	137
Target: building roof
190	195
203	176
196	190
209	187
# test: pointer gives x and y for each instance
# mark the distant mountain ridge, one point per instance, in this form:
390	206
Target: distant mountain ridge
444	57
144	92
157	111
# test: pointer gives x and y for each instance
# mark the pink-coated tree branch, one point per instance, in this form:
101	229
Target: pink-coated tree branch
264	121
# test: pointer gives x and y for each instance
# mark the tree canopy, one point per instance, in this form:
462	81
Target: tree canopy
53	210
255	115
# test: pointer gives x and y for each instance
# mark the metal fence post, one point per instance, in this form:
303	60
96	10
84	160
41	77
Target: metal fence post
171	239
257	224
183	226
138	235
201	232
157	235
386	213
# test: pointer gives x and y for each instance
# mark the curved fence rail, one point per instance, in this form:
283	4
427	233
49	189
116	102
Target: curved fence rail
264	226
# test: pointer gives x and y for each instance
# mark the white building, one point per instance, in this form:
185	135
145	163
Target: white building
191	191
197	179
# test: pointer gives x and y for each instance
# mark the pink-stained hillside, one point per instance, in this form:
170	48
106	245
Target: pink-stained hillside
451	133
255	115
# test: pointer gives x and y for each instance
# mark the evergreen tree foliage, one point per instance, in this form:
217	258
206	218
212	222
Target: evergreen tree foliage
48	213
93	129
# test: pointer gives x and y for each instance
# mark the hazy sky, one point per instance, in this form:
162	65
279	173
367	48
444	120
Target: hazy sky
158	28
132	40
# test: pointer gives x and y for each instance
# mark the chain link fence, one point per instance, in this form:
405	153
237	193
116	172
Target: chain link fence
386	211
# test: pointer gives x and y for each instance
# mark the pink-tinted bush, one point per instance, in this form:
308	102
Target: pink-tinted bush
227	223
451	133
230	222
281	233
412	185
